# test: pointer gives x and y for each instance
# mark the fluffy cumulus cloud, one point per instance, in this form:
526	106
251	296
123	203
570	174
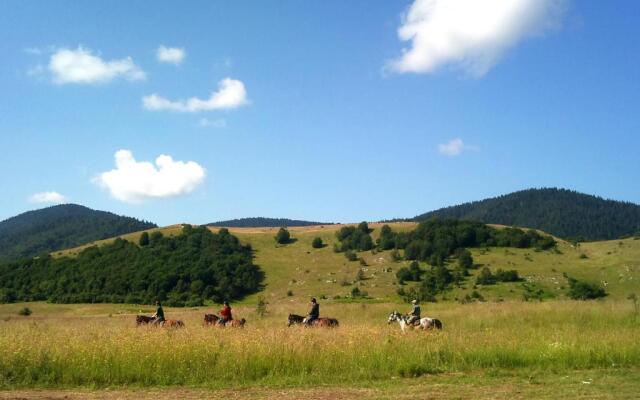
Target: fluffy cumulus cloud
452	148
82	66
230	94
471	34
47	198
171	55
136	181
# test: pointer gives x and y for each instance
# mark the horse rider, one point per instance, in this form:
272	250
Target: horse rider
414	315
314	313
159	315
225	314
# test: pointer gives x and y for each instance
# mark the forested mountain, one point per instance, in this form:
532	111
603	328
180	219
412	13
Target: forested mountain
261	222
180	270
60	227
561	212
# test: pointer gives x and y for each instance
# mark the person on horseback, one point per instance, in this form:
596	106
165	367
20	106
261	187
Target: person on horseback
225	314
314	313
414	315
159	315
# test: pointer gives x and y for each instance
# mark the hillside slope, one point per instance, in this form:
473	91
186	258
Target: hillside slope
59	227
262	222
561	212
296	271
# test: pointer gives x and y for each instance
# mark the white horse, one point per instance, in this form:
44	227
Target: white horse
425	323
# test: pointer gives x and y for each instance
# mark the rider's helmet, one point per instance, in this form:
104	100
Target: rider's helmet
313	300
226	303
157	302
414	301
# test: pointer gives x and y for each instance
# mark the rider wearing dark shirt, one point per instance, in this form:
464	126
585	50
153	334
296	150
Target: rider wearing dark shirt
314	313
159	315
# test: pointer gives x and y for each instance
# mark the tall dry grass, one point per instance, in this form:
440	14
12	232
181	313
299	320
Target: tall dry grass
103	351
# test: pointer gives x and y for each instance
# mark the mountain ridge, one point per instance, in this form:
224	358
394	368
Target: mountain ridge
561	212
264	222
61	226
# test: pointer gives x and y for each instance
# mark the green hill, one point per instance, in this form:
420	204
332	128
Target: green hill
262	222
295	271
60	227
182	269
561	212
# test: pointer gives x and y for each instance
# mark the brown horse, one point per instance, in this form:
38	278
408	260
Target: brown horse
325	323
144	320
211	319
236	323
172	323
294	319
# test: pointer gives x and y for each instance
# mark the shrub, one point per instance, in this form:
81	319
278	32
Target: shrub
580	290
412	273
352	238
144	239
387	240
465	260
283	236
317	243
507	276
261	307
485	277
25	311
395	255
351	256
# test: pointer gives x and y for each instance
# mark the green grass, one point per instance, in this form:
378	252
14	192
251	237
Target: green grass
70	346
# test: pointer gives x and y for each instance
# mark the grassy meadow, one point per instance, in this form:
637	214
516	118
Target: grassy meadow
100	346
571	348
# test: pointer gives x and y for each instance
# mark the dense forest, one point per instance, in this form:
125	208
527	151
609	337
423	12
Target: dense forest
186	269
60	227
561	212
261	222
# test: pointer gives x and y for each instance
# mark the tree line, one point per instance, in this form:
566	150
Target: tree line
185	269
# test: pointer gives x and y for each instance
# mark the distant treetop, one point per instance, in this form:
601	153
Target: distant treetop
262	222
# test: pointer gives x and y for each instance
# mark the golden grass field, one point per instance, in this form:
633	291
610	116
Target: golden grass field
98	346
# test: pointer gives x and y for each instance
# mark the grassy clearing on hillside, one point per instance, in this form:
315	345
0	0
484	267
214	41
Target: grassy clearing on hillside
65	349
302	271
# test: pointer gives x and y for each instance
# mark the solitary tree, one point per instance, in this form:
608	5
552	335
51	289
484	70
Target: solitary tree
283	236
144	239
317	243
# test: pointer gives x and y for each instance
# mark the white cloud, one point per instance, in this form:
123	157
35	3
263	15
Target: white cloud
47	197
454	147
230	94
171	55
81	66
136	181
212	123
471	34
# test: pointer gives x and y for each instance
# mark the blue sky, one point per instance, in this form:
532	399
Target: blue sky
324	116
